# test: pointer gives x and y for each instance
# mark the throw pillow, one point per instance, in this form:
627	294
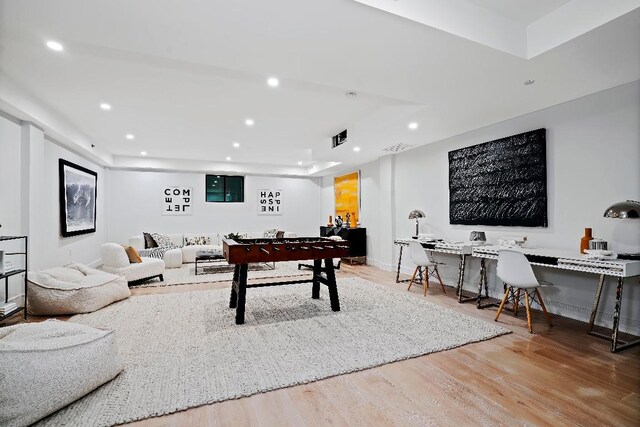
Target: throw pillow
280	234
149	242
197	240
270	233
162	240
134	256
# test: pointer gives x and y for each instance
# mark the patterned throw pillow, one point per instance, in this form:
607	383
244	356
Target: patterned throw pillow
162	240
270	233
197	240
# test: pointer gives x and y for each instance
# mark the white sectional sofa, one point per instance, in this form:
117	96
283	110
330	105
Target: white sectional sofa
184	254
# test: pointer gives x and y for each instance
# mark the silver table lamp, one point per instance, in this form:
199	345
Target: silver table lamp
623	210
629	209
416	214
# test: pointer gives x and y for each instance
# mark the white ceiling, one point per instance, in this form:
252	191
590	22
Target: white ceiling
183	76
521	11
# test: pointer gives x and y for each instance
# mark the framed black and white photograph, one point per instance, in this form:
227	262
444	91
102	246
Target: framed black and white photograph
269	202
177	200
78	194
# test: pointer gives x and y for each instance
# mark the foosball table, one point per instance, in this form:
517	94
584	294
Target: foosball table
242	252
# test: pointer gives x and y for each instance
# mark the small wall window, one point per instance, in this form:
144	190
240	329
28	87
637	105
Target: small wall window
224	188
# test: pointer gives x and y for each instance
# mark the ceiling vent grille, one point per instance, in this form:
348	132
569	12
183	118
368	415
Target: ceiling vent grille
398	147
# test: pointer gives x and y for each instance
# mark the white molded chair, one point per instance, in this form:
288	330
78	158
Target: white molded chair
421	260
515	271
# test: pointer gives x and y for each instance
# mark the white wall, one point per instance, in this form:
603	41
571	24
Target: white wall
10	202
371	206
593	154
55	250
593	158
135	205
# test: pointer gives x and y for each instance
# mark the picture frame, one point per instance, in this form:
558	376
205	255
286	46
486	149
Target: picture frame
78	189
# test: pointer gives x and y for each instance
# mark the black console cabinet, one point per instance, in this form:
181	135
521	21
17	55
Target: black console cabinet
357	238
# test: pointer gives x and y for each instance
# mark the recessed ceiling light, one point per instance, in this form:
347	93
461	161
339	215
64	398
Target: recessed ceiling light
529	82
129	136
55	46
249	122
356	149
299	163
105	107
143	153
228	158
236	144
413	125
273	82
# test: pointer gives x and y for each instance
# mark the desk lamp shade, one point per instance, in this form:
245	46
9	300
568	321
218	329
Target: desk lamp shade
623	210
416	214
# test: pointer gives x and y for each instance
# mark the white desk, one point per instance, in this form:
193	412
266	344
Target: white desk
548	258
462	250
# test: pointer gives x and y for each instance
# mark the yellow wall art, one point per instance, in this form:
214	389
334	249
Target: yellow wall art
347	194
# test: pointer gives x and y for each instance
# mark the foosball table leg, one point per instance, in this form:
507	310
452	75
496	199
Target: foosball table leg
317	271
331	284
233	301
242	293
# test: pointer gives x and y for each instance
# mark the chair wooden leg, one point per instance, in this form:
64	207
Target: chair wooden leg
439	279
544	308
528	307
412	278
504	299
516	302
426	281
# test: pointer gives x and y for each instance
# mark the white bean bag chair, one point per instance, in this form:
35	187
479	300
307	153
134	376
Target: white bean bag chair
73	289
116	261
48	365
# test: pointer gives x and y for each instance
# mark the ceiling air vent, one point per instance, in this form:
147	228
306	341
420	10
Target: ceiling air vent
339	139
397	148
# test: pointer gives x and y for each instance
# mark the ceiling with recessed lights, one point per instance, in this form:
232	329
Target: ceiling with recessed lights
260	87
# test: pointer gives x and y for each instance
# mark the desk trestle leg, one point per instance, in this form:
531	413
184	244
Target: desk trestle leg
613	339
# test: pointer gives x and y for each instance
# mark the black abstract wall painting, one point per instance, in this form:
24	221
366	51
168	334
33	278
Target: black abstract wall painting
501	182
78	193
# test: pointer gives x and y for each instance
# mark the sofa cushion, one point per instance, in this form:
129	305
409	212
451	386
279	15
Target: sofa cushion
189	252
114	255
48	365
149	267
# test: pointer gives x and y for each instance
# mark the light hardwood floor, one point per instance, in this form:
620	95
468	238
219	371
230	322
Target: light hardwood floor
557	376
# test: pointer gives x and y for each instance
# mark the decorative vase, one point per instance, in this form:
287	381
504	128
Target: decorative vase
330	223
584	242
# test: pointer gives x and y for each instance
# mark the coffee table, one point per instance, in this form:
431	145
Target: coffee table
208	257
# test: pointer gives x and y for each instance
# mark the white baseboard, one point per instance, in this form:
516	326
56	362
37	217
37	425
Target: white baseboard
18	299
627	324
379	264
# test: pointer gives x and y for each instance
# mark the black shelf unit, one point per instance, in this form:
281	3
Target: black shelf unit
6	276
357	238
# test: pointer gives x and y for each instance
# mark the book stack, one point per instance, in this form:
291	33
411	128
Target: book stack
8	267
7	308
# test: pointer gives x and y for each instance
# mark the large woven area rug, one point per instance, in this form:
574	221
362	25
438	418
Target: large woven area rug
223	272
183	350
